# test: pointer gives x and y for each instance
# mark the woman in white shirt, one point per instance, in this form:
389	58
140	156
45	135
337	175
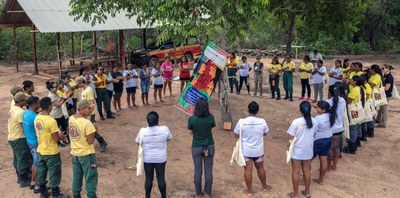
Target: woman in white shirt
338	105
244	69
158	81
154	143
130	76
253	131
318	80
305	127
323	138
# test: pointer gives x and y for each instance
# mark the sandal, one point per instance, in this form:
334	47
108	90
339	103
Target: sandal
306	195
246	192
291	195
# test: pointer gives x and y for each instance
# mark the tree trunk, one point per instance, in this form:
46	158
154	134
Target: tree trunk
290	35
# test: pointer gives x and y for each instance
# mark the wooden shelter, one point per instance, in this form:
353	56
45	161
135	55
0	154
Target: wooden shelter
53	16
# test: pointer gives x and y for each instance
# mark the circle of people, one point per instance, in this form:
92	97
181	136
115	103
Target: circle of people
37	127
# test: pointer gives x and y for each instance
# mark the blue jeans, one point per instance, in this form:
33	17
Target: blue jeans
355	130
33	149
145	87
198	160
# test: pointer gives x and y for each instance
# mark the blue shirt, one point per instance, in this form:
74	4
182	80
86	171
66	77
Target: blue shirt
28	118
146	81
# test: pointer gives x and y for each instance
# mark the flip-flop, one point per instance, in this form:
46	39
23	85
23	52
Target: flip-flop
247	193
291	195
304	193
269	188
318	182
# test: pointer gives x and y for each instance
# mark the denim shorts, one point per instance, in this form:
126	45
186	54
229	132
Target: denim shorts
322	147
33	149
145	87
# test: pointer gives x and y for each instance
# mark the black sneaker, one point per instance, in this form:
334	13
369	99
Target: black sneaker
231	91
110	116
103	147
102	118
45	194
24	184
36	191
32	187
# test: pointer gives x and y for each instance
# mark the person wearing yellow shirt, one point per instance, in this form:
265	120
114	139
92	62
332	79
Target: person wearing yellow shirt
17	140
356	93
100	81
305	69
346	68
88	94
367	125
287	77
274	71
232	70
82	150
49	158
376	77
14	90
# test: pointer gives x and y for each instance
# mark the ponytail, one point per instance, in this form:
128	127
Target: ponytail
334	91
305	109
360	83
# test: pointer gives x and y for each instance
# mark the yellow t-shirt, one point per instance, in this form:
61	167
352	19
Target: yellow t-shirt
345	72
102	78
15	130
75	93
289	66
354	94
79	129
275	67
88	94
308	67
376	79
45	126
368	91
353	73
233	63
62	92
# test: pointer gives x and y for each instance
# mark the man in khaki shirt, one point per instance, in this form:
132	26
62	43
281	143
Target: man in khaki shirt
17	140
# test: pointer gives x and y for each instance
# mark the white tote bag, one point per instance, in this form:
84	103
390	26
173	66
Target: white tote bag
140	160
379	96
395	93
368	111
289	151
346	125
356	112
237	154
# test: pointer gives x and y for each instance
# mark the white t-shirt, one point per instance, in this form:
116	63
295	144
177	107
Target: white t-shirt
340	111
109	86
253	130
56	112
318	78
154	143
132	82
303	147
157	80
245	70
324	129
336	72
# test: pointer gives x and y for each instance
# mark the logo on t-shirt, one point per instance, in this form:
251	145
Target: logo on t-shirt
39	126
74	132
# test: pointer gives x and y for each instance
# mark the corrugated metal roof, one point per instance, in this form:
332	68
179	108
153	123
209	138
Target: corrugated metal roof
51	16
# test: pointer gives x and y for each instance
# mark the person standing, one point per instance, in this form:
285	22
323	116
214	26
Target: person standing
274	71
184	72
14	90
388	82
82	133
315	56
244	69
118	83
100	81
232	70
88	94
49	158
253	130
168	71
17	140
130	76
154	140
303	148
258	75
28	87
28	119
110	85
305	69
145	75
336	74
287	77
203	150
319	73
158	81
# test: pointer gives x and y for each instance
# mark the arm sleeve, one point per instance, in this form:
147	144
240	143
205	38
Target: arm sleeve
53	126
266	129
169	134
89	129
138	137
293	128
237	127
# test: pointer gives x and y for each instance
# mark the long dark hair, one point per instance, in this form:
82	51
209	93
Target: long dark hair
327	107
201	108
360	82
334	91
345	61
50	84
377	70
82	70
305	109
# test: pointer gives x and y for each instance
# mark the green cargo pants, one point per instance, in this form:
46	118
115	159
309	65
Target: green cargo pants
21	158
51	164
288	81
84	166
102	97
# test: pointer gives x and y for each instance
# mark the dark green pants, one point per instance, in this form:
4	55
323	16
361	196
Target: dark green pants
288	81
84	167
102	97
22	156
274	86
51	164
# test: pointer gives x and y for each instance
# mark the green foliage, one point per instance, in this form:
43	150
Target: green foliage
134	43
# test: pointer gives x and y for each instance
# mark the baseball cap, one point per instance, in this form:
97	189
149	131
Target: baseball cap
72	83
20	96
79	79
15	89
84	103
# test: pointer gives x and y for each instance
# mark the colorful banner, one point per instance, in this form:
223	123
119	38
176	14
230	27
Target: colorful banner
204	78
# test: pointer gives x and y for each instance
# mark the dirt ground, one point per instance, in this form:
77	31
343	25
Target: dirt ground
373	172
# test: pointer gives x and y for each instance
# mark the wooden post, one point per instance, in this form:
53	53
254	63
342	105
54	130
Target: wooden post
15	49
72	62
34	50
122	47
58	53
144	38
95	49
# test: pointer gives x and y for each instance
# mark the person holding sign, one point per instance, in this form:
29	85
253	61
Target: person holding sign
244	69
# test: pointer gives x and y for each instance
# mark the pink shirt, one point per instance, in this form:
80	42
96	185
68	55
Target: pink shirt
167	66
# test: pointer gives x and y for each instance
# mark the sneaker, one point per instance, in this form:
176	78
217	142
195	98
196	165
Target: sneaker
102	118
46	194
24	184
308	99
231	91
110	117
301	98
36	190
291	99
103	147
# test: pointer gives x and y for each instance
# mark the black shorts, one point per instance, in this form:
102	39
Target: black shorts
338	134
131	90
183	79
158	86
117	93
70	106
110	94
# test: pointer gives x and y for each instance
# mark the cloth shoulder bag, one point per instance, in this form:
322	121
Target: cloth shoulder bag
395	93
356	112
237	154
140	159
368	110
289	151
379	96
346	125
